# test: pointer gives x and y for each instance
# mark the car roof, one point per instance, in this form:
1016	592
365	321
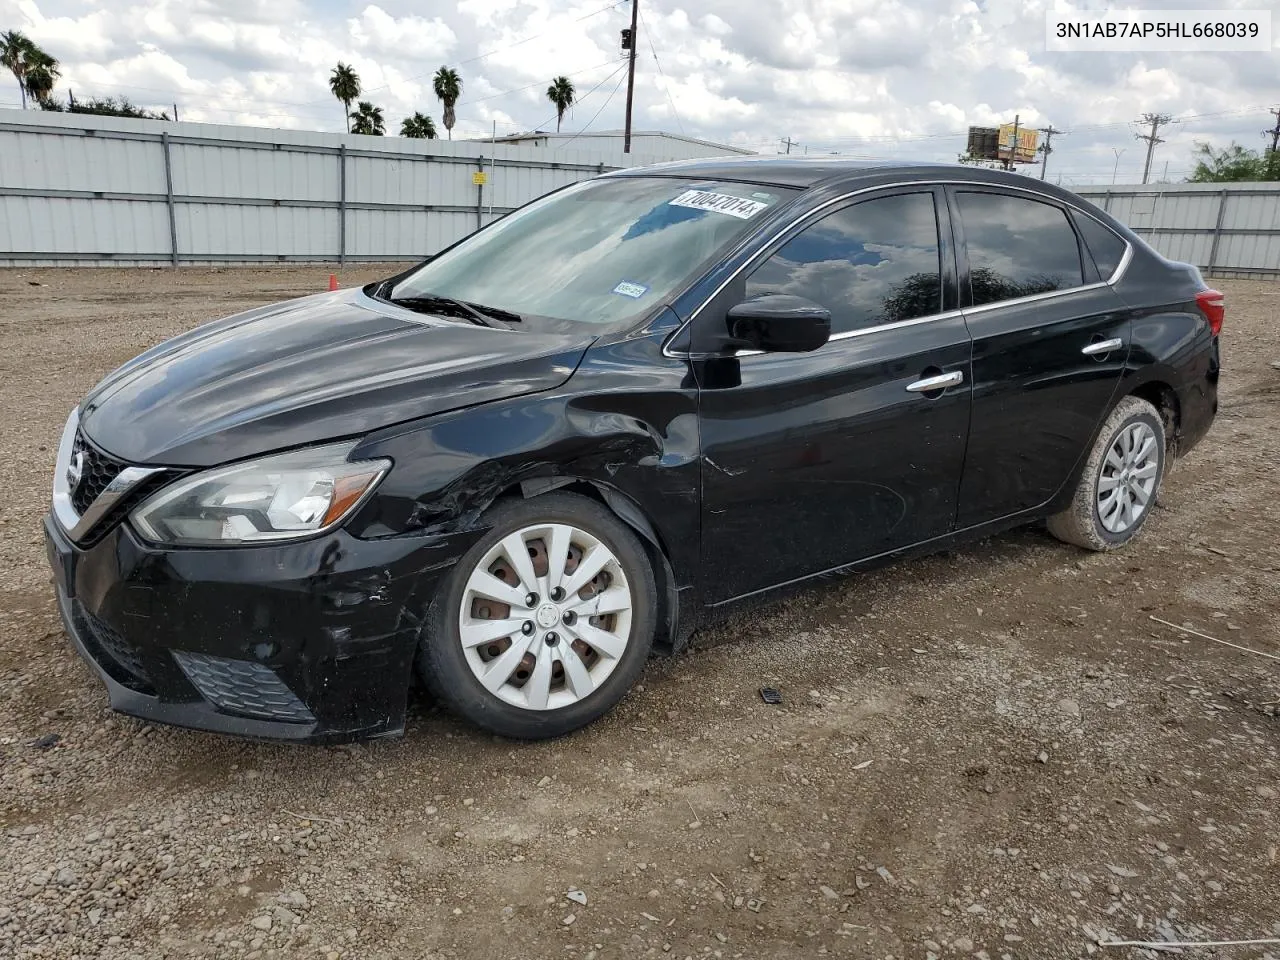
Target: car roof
804	172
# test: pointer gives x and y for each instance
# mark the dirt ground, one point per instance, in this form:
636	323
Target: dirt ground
993	752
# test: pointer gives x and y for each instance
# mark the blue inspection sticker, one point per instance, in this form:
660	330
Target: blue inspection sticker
628	288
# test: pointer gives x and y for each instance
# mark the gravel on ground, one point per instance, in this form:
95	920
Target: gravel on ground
993	752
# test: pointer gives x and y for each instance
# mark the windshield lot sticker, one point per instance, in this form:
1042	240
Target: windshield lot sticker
629	289
739	207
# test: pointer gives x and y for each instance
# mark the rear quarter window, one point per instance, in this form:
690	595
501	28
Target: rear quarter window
1106	247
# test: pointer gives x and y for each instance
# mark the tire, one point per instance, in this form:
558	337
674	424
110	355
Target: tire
1116	476
549	680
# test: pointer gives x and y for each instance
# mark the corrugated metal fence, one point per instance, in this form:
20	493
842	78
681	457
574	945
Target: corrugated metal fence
1229	230
96	190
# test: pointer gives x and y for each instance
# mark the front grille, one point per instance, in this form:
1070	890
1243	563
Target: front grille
116	655
97	472
243	687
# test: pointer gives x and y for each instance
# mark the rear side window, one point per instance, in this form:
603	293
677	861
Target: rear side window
872	263
1017	247
1107	248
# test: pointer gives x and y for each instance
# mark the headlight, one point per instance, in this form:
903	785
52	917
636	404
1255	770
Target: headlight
284	497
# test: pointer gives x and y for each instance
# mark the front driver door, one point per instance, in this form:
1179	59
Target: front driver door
812	461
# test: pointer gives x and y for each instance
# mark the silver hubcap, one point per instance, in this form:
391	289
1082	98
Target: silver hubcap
546	616
1128	478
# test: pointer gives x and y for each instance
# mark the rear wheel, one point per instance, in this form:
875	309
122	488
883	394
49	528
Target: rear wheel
1121	479
545	623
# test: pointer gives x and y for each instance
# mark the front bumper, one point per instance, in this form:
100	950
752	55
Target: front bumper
311	641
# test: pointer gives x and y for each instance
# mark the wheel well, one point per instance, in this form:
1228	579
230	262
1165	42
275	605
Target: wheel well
1161	396
668	636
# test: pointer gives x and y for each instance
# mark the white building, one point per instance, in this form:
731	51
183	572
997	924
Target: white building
648	143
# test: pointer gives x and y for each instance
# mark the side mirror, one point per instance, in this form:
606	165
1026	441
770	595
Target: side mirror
779	323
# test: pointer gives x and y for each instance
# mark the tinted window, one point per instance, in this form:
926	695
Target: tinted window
1017	247
1106	247
875	262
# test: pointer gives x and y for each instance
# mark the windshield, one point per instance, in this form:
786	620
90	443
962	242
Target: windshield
600	252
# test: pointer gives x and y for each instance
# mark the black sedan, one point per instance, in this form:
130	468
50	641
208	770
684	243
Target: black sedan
601	423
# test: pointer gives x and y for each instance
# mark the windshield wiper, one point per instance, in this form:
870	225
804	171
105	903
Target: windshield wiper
482	316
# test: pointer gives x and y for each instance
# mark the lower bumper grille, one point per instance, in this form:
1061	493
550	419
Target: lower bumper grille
243	687
115	654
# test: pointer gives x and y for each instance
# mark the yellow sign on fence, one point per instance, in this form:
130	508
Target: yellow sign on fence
479	178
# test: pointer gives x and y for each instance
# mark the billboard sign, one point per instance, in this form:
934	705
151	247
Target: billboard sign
1026	147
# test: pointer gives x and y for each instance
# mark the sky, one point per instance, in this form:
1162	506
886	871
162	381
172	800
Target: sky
864	78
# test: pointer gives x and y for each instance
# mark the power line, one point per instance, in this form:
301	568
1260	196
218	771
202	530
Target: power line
536	83
666	85
593	119
585	98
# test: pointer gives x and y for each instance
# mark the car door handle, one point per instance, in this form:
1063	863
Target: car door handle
1102	346
940	382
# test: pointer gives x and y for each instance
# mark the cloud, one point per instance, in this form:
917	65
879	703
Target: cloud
873	78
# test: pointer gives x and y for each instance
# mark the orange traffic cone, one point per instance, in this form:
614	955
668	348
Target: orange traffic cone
333	281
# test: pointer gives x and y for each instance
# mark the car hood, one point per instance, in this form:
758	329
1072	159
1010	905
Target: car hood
319	368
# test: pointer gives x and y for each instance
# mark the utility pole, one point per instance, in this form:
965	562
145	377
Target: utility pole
1047	147
1116	168
1013	146
1274	132
175	113
1273	155
1156	120
629	44
790	143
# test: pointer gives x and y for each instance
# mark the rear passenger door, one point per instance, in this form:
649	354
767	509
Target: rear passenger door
1050	339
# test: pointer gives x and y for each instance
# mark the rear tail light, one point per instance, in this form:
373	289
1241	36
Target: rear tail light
1212	305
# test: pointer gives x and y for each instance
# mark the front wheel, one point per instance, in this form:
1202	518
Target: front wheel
545	623
1118	486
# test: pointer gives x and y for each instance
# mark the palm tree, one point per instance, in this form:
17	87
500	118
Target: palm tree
15	53
561	94
448	87
42	73
346	87
418	127
367	119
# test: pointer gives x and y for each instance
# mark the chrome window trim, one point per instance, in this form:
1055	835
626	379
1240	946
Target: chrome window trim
1121	267
78	525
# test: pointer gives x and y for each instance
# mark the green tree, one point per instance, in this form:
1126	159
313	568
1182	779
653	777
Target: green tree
16	50
1234	164
112	107
345	85
418	127
367	119
561	94
448	88
42	72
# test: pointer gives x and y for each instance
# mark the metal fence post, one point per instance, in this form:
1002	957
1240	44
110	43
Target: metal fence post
1217	231
168	196
480	195
342	204
1106	202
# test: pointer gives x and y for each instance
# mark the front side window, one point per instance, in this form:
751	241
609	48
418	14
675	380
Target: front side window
602	252
872	263
1017	247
